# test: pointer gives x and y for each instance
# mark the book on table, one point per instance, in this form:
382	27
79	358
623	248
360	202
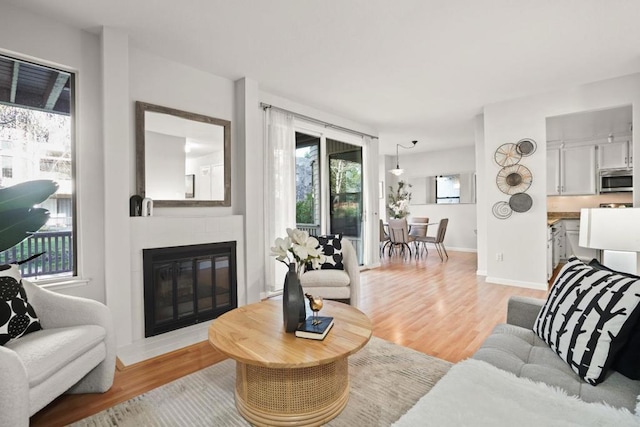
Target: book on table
315	332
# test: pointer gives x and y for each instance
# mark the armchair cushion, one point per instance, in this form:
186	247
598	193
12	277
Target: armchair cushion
17	316
328	278
47	351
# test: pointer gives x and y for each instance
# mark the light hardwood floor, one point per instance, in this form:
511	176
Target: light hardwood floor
439	308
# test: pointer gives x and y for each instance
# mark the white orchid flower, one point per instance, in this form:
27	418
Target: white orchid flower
281	249
315	262
299	237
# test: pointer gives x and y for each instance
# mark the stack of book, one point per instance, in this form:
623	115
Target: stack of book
315	332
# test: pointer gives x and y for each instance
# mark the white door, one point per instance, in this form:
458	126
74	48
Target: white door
553	172
578	170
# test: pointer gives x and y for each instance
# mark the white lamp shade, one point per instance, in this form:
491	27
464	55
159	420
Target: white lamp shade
397	171
610	229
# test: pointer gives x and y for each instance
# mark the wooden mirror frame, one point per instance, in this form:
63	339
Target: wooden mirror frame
141	108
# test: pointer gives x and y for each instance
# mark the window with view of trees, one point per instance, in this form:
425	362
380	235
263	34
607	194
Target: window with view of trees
36	142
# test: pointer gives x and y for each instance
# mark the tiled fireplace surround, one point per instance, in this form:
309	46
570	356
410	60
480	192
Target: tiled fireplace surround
165	231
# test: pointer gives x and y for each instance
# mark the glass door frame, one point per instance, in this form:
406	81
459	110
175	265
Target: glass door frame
323	132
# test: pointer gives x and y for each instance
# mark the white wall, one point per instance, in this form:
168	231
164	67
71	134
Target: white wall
462	217
28	36
522	237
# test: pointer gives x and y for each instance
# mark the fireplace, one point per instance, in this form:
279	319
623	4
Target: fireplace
185	285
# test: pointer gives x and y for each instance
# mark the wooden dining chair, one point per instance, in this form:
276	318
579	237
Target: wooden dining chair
399	235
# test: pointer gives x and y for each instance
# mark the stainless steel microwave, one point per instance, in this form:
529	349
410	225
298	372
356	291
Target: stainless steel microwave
615	180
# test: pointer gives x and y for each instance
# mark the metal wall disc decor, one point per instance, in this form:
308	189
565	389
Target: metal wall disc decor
507	155
520	202
514	179
502	210
526	147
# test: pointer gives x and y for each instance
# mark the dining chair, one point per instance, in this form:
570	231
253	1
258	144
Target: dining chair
384	238
416	230
399	235
438	239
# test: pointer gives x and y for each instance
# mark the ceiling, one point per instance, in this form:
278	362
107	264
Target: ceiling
412	69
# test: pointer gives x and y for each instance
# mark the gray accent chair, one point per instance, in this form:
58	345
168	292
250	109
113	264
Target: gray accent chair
75	352
514	347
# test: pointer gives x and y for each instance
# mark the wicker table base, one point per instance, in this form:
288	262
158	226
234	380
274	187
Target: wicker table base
308	396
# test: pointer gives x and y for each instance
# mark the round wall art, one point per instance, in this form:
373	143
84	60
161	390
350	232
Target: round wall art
514	179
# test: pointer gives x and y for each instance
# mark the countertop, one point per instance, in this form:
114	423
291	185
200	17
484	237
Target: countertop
555	217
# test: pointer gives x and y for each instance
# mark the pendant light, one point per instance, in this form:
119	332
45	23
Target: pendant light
397	171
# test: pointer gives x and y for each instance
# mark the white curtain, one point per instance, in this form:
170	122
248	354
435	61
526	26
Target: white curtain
280	188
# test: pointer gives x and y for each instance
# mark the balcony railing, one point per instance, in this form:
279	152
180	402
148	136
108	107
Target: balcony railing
57	258
312	229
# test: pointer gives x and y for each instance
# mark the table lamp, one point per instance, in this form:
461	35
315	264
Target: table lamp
616	232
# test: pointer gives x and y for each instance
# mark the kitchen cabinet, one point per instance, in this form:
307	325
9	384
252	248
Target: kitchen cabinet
615	155
550	265
558	244
571	170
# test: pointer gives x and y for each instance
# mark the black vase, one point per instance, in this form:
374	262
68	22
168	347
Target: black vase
293	311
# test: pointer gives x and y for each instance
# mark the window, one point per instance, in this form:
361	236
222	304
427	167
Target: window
36	142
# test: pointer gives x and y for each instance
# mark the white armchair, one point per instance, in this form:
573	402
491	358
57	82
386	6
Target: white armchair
75	352
336	284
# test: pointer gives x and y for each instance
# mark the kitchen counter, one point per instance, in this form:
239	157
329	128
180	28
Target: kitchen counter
555	217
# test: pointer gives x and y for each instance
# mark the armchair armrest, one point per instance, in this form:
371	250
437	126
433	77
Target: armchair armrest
352	268
59	311
522	311
14	387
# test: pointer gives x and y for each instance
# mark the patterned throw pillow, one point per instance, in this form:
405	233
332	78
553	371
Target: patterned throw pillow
588	317
626	361
332	249
17	316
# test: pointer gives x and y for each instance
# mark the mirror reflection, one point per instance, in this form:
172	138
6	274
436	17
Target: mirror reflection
182	158
457	188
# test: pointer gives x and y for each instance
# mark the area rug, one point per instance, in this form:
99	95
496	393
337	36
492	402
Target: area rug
386	380
475	393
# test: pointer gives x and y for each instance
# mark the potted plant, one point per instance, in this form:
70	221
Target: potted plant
18	216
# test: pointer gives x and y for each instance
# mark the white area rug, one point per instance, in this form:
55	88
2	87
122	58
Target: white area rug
475	393
386	380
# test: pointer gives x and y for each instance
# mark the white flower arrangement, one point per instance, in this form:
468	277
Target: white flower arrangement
398	206
298	247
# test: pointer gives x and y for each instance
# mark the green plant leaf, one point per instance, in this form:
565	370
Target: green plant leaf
26	194
18	224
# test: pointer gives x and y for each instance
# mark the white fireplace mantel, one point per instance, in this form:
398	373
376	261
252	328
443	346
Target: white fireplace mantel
166	231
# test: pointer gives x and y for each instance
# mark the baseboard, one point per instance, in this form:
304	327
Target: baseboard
461	249
481	272
517	283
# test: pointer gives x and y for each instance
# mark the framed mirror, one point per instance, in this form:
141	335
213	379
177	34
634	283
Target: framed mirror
182	159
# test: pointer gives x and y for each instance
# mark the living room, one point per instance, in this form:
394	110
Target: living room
116	66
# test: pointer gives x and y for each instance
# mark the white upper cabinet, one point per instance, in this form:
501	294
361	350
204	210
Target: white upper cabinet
578	170
571	171
615	155
553	172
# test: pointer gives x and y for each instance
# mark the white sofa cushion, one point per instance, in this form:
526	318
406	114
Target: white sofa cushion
325	278
45	352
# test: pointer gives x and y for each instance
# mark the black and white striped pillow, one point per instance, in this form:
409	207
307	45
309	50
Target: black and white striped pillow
588	317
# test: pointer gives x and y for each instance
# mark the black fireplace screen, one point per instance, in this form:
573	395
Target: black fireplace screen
185	285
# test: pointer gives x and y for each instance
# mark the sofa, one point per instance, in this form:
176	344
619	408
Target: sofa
74	352
515	347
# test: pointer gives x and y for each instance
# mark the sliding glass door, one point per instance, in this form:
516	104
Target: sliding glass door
329	188
345	192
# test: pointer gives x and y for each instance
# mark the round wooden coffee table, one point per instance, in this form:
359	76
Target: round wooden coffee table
282	380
